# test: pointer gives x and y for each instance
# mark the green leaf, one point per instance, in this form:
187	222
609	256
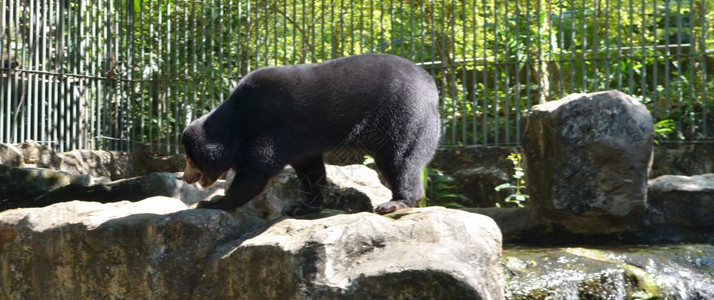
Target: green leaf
504	186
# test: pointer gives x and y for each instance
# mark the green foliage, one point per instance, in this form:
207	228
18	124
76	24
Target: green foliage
518	197
665	130
439	189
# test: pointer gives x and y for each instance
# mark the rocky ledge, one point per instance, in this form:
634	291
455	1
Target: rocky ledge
157	248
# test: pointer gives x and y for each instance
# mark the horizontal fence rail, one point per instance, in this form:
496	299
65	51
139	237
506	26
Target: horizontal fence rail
130	75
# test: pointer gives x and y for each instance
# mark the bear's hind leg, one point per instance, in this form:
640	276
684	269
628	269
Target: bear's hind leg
312	176
406	185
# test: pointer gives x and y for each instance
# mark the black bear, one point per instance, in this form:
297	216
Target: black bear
381	105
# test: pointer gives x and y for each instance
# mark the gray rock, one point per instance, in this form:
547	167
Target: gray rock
157	249
587	158
514	222
477	171
433	253
681	201
152	249
40	156
10	156
683	159
20	185
635	272
131	189
352	188
118	165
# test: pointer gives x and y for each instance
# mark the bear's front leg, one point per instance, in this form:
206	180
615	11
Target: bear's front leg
243	188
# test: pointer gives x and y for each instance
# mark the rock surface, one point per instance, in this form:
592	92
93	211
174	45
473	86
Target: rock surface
157	249
97	163
10	156
681	201
351	188
587	158
18	185
476	172
683	159
652	272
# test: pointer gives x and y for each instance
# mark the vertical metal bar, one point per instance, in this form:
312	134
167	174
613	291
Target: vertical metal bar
464	68
506	85
211	52
257	34
161	80
267	34
450	49
186	101
496	75
275	32
703	54
172	139
549	63
596	45
584	86
666	59
643	30
474	55
703	64
304	34
517	76
75	84
7	89
64	41
529	60
128	47
370	46
484	121
572	49
38	78
19	125
539	50
402	34
655	64
143	83
619	45
607	48
33	79
5	75
150	80
631	60
45	79
561	46
691	61
680	90
239	42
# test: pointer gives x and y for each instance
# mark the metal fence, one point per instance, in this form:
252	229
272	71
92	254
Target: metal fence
131	74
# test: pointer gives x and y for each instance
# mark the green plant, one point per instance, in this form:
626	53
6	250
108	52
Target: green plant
664	129
439	190
519	197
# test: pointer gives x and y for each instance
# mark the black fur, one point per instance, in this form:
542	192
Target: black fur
383	105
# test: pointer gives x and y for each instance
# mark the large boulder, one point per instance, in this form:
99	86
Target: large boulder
157	249
587	158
